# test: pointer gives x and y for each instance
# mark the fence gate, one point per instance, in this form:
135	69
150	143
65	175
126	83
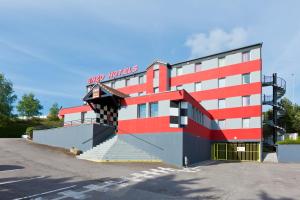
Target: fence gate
247	151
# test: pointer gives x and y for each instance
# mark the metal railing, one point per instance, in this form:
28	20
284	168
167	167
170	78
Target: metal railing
80	121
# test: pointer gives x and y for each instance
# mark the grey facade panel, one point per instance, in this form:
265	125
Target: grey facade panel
288	153
210	64
233	58
83	137
190	87
188	69
196	149
210	84
166	146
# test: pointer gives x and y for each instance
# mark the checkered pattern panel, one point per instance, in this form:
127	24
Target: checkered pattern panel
107	115
178	114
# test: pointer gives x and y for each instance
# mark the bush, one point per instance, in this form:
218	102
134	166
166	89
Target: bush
29	132
289	141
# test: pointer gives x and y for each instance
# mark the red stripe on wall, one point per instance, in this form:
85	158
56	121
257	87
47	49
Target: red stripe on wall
175	95
76	109
232	91
237	134
133	89
220	72
239	112
149	74
163	78
146	125
197	129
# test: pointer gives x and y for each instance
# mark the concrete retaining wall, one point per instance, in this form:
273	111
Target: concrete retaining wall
288	153
83	137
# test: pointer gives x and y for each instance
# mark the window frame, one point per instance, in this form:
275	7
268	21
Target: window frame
243	123
127	82
223	61
196	67
248	57
247	96
219	81
224	105
224	121
150	109
141	78
154	90
243	78
177	70
197	84
139	111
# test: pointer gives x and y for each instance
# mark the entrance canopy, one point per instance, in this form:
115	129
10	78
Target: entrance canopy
103	95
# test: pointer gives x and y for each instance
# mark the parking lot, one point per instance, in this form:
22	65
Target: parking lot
31	171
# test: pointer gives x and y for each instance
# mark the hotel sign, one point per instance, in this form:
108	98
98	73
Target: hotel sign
113	74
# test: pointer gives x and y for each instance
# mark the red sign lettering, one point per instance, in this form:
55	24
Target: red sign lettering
114	74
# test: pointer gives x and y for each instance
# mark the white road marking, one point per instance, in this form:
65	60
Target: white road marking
9	170
16	181
48	192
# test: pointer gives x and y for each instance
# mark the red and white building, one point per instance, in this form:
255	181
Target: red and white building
209	107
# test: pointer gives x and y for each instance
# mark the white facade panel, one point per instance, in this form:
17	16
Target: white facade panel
188	69
233	58
163	108
234	80
210	64
255	99
255	54
120	83
255	122
210	104
189	87
234	123
233	102
72	117
210	84
255	77
128	112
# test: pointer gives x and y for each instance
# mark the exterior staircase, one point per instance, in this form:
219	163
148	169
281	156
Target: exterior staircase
97	152
270	157
279	88
116	150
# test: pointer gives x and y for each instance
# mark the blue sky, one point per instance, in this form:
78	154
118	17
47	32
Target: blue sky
51	47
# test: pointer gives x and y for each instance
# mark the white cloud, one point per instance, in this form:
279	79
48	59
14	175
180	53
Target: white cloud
216	40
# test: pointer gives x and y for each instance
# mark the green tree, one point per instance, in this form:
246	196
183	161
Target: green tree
29	106
7	97
53	112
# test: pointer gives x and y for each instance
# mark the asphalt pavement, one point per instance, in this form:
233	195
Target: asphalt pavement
31	171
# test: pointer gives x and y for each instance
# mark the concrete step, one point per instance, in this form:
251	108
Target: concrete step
270	157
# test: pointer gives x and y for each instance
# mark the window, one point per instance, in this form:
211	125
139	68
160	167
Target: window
127	81
113	84
141	93
198	86
141	110
221	62
153	109
221	123
246	100
178	71
246	78
156	90
198	67
221	82
246	123
245	56
156	74
179	87
221	103
141	80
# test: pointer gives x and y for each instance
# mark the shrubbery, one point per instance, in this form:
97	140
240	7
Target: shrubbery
289	141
